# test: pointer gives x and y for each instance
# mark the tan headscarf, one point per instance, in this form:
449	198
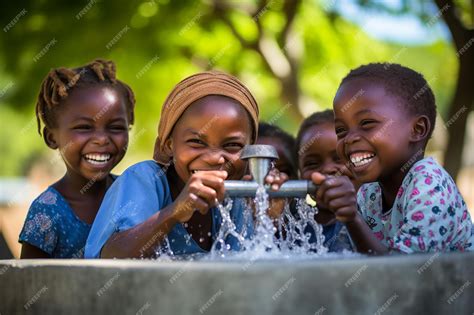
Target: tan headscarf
190	90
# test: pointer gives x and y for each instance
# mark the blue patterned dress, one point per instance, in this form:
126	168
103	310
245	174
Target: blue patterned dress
52	226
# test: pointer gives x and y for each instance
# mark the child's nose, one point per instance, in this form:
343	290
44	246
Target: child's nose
101	138
351	137
214	157
329	169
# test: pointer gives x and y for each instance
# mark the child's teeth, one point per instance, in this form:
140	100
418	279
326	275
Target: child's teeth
97	158
361	159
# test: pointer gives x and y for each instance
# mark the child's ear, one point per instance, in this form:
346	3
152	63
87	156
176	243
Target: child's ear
49	138
168	147
421	128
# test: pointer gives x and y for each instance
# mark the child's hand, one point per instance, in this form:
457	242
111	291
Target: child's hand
337	194
203	191
275	178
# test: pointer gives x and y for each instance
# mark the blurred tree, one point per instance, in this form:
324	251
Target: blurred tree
291	54
280	51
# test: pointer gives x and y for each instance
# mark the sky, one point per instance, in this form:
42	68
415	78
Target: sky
405	29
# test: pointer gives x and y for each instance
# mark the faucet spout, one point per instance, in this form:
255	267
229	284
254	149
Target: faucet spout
260	158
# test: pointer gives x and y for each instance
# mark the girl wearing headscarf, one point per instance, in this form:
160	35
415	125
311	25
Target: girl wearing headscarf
205	122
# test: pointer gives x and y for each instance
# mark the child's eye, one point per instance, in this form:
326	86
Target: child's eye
340	132
82	127
195	141
311	164
234	146
367	123
118	128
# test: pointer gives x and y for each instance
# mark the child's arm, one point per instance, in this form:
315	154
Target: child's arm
339	196
29	252
201	192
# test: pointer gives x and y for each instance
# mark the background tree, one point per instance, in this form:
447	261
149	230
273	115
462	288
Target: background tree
292	54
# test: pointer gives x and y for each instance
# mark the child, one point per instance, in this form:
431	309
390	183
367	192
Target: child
283	143
384	116
86	113
205	122
316	147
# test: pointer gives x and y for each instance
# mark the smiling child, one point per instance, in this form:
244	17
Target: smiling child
86	113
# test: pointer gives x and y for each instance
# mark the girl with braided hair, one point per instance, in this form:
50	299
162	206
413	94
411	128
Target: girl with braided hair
86	114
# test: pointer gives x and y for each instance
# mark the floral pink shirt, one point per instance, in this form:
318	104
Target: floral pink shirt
428	214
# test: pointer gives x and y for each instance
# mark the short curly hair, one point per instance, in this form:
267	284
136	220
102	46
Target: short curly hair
405	84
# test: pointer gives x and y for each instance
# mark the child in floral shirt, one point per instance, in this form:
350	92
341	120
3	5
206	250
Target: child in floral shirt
384	116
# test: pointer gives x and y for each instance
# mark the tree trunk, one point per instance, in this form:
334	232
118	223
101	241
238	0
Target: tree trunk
462	102
461	105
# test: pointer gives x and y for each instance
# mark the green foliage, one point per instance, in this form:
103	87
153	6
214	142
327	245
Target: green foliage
164	41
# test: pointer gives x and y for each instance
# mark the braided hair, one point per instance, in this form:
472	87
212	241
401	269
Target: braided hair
55	88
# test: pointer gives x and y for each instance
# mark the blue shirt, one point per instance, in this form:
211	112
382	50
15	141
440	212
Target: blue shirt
336	237
52	226
141	191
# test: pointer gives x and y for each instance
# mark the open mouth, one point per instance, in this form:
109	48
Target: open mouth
359	159
98	159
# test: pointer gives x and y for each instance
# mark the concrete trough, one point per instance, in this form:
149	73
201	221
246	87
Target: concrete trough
415	284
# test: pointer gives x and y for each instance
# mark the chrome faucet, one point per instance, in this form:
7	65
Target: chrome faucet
260	158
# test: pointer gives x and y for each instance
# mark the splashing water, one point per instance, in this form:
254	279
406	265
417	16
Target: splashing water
219	247
295	235
289	236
